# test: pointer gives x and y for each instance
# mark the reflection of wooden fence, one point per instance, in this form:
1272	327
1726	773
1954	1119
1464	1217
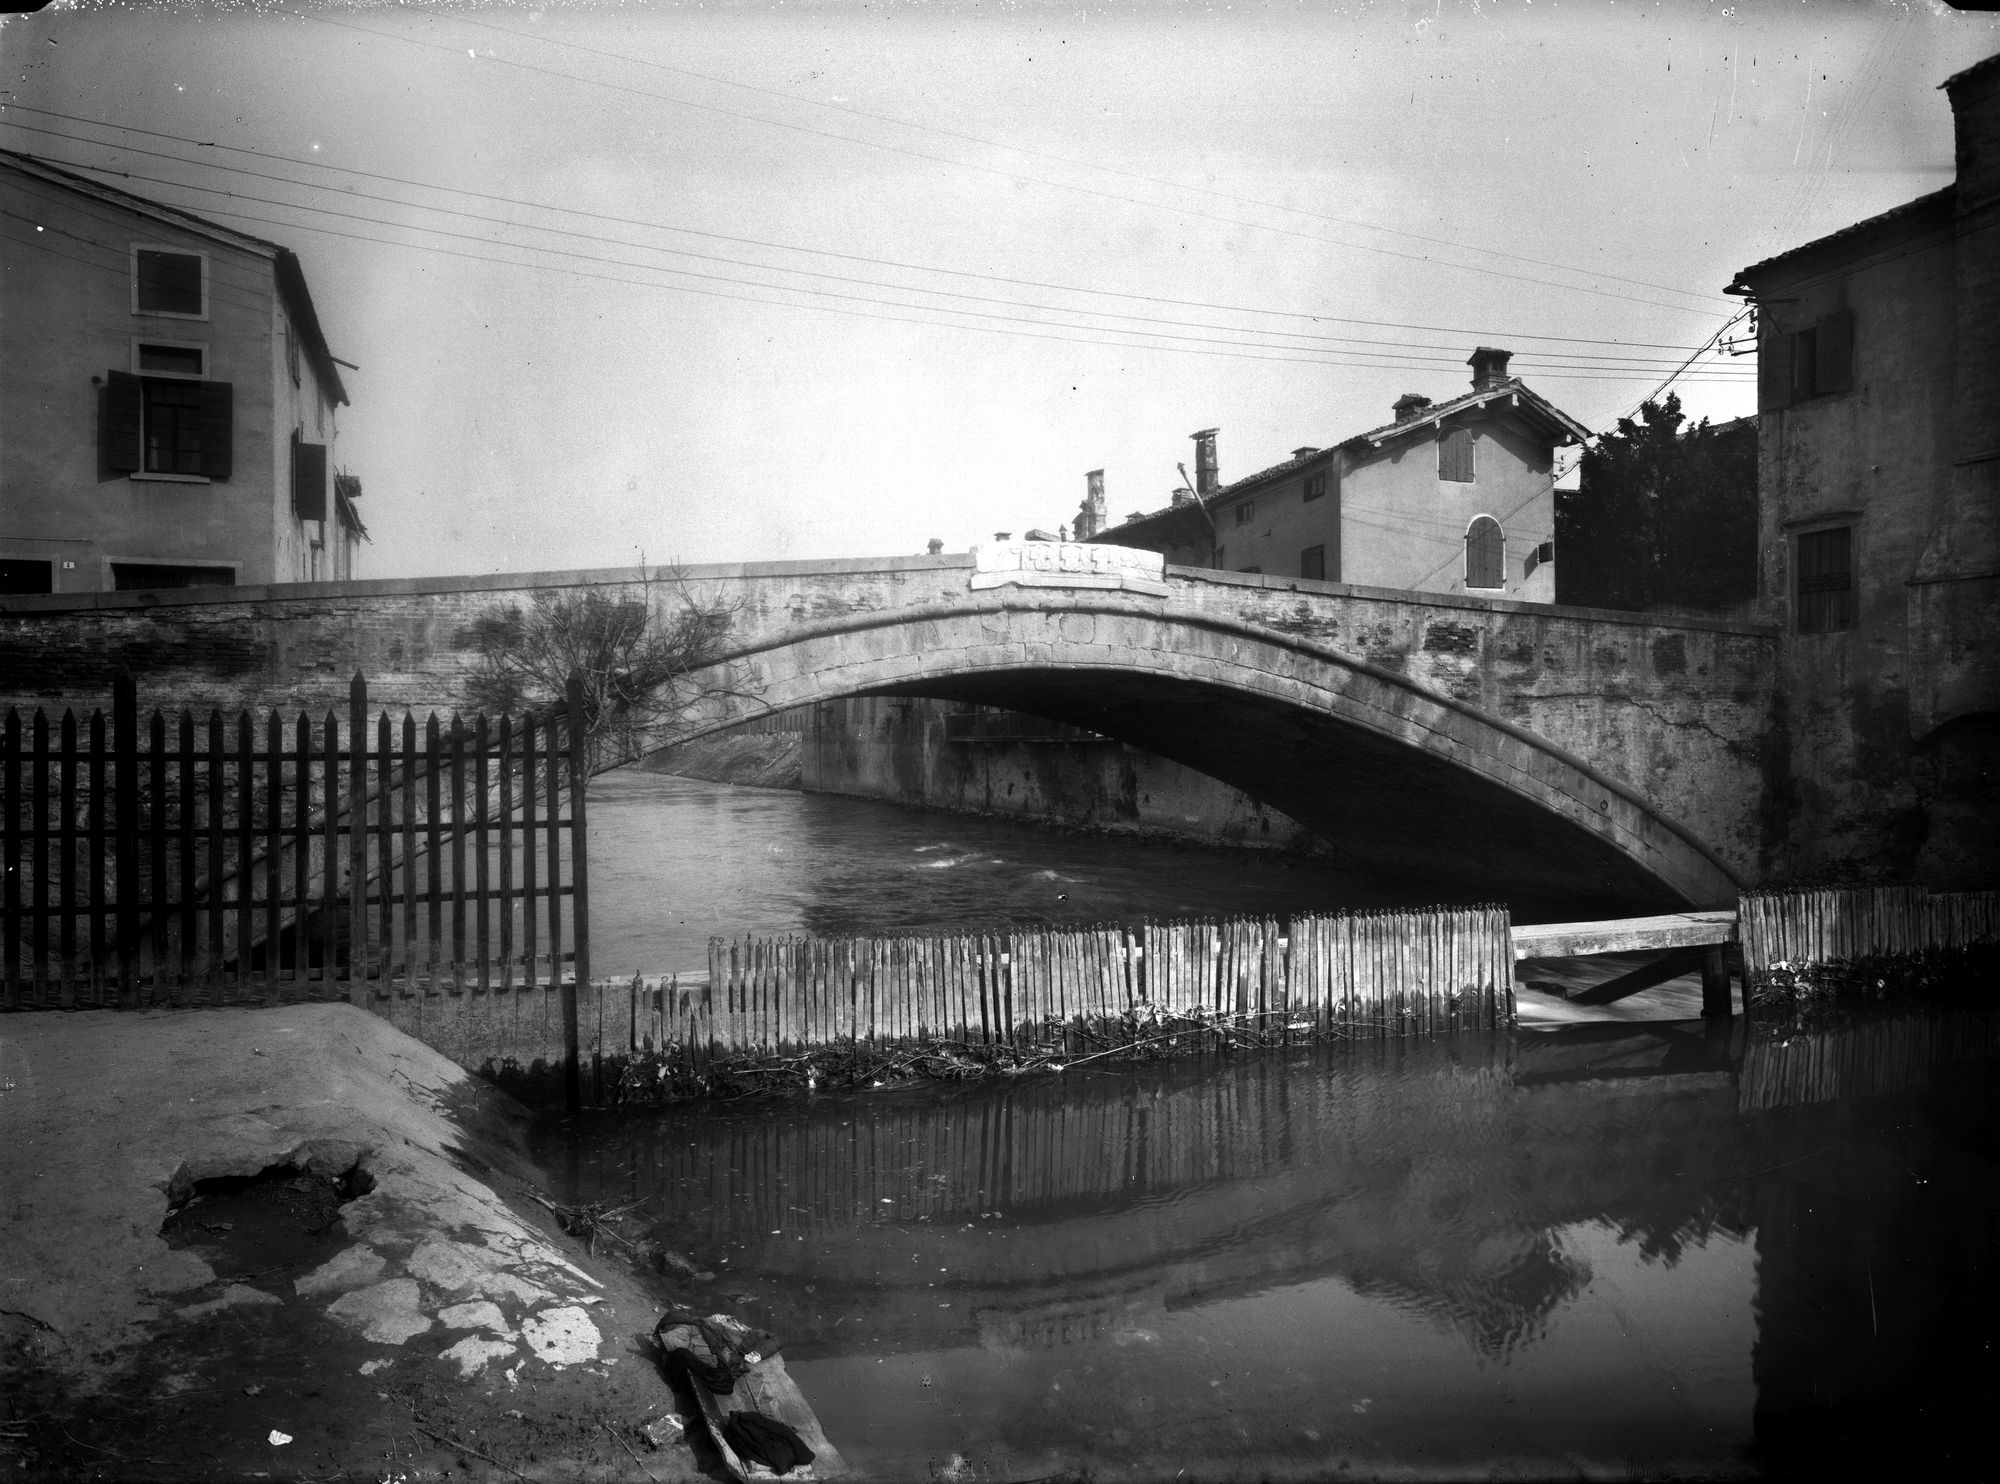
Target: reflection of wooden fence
1354	974
1818	926
1791	1067
191	860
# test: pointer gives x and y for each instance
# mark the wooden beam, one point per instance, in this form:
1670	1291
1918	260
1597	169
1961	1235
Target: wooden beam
1623	935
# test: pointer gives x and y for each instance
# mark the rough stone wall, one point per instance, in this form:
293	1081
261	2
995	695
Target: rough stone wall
896	748
1673	713
1875	459
1894	724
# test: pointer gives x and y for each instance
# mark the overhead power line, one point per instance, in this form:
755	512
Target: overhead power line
1247	353
1246	342
739	240
1091	165
1014	175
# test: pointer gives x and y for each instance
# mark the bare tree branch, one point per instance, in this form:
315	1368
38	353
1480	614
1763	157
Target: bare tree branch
639	649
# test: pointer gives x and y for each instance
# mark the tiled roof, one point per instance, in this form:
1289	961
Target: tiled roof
1939	199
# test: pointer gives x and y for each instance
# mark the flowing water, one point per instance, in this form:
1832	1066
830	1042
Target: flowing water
674	861
1670	1250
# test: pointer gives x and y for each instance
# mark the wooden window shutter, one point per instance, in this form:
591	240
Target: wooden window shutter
1455	455
1833	353
308	480
217	435
121	408
1485	553
1774	369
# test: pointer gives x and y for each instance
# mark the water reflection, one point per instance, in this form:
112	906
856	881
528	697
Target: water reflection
1618	1249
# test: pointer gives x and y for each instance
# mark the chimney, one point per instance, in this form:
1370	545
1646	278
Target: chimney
1090	516
1003	535
1302	453
1183	496
1205	481
1489	368
936	546
1409	405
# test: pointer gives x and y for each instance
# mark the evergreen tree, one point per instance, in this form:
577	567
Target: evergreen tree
1664	517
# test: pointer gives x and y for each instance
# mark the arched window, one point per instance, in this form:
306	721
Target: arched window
1485	553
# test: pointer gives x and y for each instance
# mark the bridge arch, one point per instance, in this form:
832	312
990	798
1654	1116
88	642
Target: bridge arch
1420	783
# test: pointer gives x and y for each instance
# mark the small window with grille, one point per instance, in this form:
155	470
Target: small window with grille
1824	580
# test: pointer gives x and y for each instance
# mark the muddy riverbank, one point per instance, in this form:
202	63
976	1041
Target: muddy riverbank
295	1243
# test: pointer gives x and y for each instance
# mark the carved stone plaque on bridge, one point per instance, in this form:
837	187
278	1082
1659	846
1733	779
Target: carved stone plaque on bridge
1069	564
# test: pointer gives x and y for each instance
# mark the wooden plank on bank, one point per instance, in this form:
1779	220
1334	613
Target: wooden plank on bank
1623	935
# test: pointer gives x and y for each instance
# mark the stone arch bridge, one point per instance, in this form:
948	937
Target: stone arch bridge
1489	747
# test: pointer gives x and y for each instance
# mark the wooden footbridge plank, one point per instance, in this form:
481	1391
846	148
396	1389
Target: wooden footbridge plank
1623	935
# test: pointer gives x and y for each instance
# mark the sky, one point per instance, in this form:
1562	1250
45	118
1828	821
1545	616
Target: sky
759	281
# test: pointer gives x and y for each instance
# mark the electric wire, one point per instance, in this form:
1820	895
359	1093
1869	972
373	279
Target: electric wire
1139	339
989	169
1405	350
643	224
466	20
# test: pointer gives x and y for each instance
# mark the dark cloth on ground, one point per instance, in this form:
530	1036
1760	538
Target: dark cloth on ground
766	1440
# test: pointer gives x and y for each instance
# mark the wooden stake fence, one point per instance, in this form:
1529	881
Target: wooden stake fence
196	860
1801	927
1082	989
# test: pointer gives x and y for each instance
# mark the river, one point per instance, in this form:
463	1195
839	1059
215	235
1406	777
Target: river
674	861
1616	1251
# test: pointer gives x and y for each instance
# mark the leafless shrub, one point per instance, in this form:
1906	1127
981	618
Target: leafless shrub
639	650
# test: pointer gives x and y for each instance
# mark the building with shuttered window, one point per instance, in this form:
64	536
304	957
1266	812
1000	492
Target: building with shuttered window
1452	496
169	399
1878	484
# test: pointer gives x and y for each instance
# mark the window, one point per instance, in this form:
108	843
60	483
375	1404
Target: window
1315	485
1455	455
1798	365
25	575
1312	563
1245	512
168	282
172	359
1485	553
308	479
1541	556
1825	580
165	425
126	576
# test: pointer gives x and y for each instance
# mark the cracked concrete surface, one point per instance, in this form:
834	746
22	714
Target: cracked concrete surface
193	1095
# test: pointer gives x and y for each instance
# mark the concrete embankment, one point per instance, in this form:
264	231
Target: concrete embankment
400	1306
762	760
907	750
